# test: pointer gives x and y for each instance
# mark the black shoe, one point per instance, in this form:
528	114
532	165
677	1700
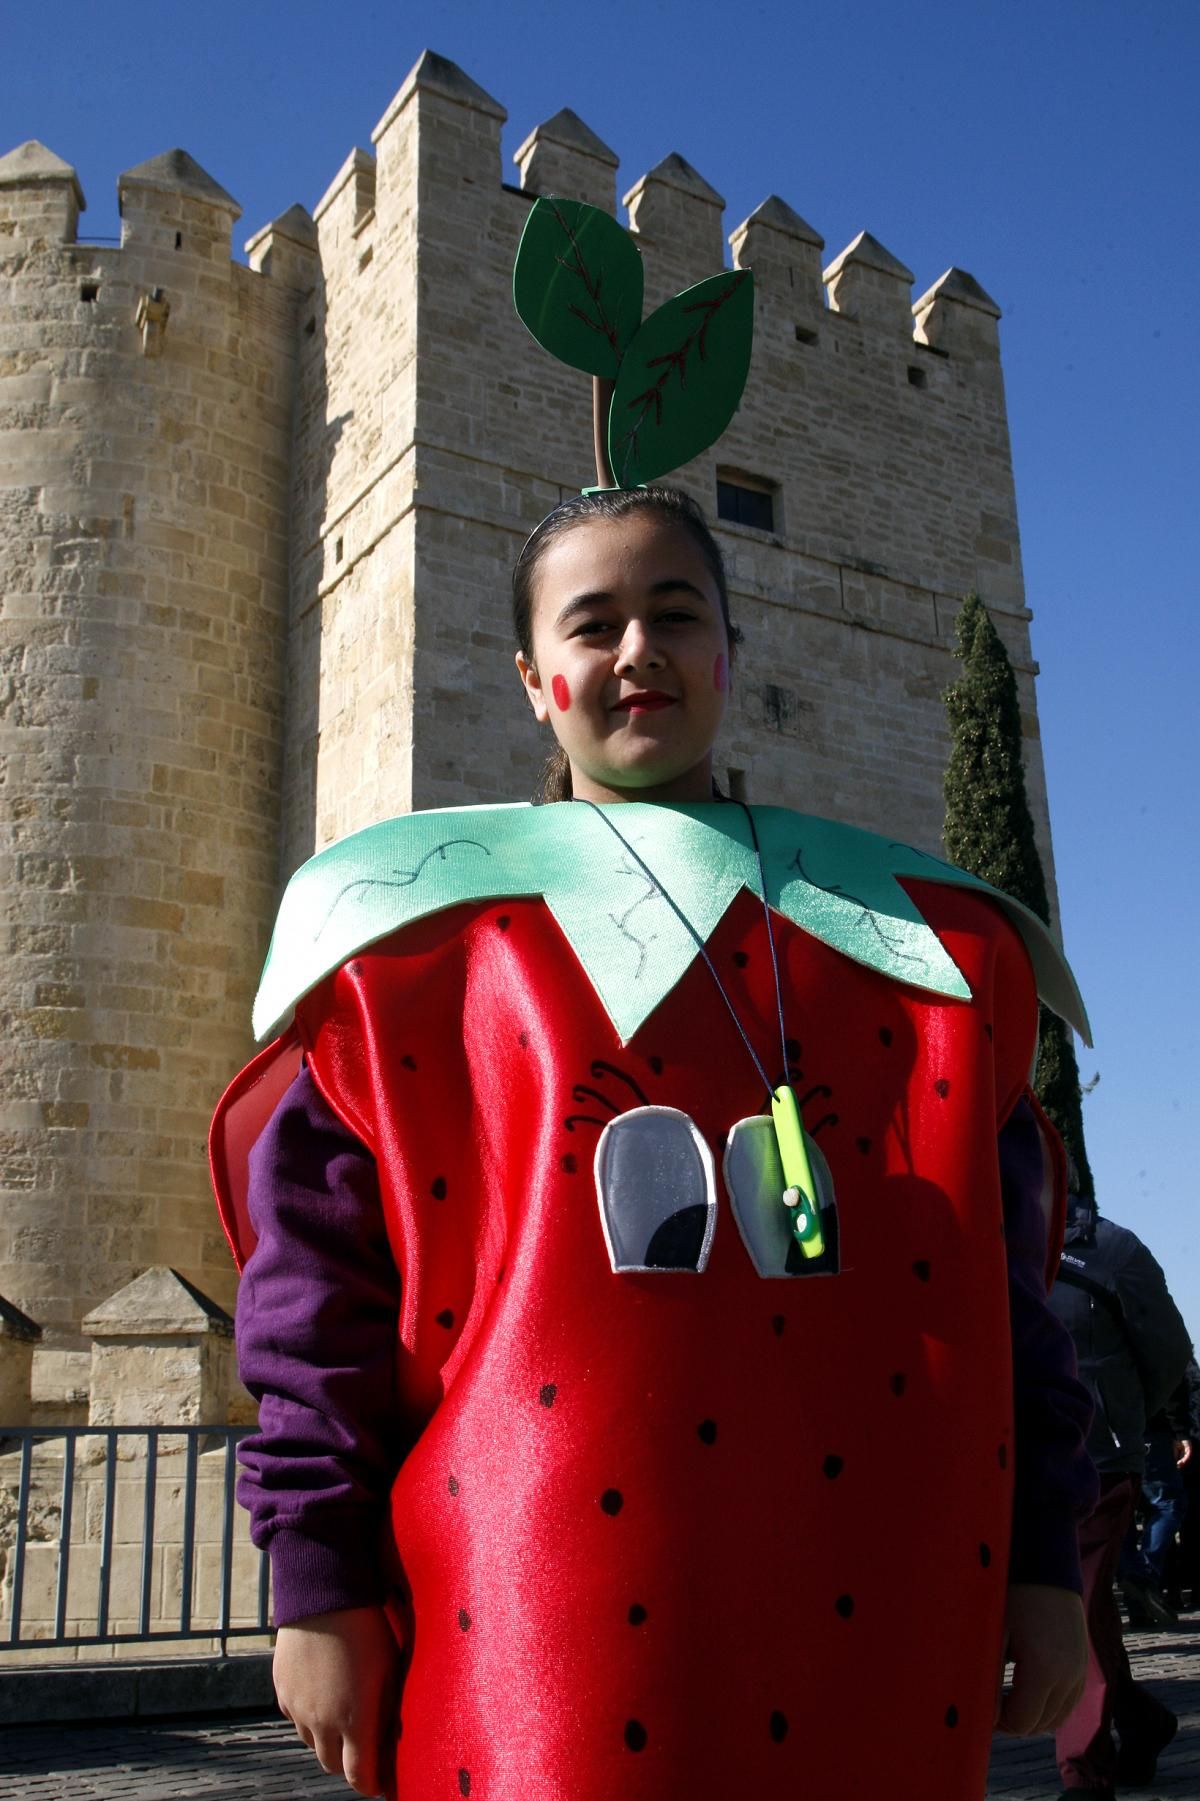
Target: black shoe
1137	1758
1146	1606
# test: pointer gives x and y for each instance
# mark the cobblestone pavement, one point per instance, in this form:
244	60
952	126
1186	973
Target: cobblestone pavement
262	1760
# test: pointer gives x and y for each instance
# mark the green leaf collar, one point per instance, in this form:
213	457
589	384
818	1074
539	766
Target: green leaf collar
834	881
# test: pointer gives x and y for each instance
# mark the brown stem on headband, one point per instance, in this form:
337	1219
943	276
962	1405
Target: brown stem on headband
602	393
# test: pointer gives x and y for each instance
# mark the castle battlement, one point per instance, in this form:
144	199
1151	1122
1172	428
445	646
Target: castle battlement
256	529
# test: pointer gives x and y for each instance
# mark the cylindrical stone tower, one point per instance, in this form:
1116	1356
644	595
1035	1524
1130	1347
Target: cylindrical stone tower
145	400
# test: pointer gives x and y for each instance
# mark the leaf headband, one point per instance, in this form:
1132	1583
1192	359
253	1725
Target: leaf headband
664	388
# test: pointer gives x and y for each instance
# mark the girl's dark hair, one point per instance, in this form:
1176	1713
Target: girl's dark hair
675	507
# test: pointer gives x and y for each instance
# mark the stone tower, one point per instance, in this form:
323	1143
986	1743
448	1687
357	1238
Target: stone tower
146	397
256	528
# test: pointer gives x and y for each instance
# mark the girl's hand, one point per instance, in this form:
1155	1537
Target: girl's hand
336	1679
1048	1647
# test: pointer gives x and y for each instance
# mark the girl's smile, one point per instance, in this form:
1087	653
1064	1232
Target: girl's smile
630	657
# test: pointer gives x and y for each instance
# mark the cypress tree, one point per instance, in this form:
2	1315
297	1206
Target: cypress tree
989	831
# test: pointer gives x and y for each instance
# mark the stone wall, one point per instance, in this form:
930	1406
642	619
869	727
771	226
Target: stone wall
145	416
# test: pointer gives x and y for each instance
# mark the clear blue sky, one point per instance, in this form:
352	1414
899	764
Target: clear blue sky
1050	147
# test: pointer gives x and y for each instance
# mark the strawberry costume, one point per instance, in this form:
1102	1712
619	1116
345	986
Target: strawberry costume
667	1501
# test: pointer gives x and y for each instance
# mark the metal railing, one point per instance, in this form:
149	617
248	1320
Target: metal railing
102	1466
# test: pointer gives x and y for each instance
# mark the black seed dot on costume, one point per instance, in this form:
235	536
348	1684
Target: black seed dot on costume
612	1501
656	1064
408	1063
504	922
1002	1456
778	1322
445	1318
988	1030
792	1050
706	1432
885	1034
452	1485
502	1272
899	1383
438	1188
523	1040
568	1163
778	1726
833	1465
941	1087
464	1782
464	1620
740	959
844	1606
547	1393
921	1269
635	1735
952	1716
637	1614
985	1555
863	1145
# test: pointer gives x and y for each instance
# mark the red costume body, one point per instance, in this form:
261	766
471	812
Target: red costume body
639	1545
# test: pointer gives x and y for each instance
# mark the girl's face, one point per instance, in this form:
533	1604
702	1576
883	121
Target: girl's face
630	658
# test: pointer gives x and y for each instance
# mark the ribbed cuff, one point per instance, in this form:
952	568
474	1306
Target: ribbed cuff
1047	1552
310	1576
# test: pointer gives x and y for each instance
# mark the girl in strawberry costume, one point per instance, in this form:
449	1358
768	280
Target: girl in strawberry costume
644	1219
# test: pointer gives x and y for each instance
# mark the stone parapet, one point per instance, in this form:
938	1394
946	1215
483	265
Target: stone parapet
957	316
867	282
784	252
161	1355
40	197
675	213
565	157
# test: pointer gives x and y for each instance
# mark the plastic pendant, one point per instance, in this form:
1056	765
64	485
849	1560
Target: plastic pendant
800	1193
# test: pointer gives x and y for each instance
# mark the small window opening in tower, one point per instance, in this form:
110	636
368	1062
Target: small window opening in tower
746	500
365	258
339	550
310	328
805	335
179	240
736	779
917	378
89	290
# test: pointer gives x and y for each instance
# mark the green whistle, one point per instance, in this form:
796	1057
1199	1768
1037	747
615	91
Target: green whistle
797	1172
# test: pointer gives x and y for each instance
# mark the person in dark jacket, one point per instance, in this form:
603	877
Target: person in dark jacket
1132	1347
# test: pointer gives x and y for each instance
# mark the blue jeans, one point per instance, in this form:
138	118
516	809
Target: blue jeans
1166	1504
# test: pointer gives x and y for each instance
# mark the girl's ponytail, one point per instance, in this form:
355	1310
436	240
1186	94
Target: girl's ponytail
554	782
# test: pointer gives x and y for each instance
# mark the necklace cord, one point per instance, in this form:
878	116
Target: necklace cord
762	882
703	948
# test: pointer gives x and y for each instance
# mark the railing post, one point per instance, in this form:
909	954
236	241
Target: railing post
49	1468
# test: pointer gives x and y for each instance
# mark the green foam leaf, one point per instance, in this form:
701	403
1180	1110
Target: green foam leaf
682	378
577	284
835	882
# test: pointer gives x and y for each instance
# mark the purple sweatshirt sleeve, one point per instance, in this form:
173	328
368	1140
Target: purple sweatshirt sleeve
316	1337
1055	1483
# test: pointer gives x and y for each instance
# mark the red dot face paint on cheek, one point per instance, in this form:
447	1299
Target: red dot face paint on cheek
721	674
561	693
